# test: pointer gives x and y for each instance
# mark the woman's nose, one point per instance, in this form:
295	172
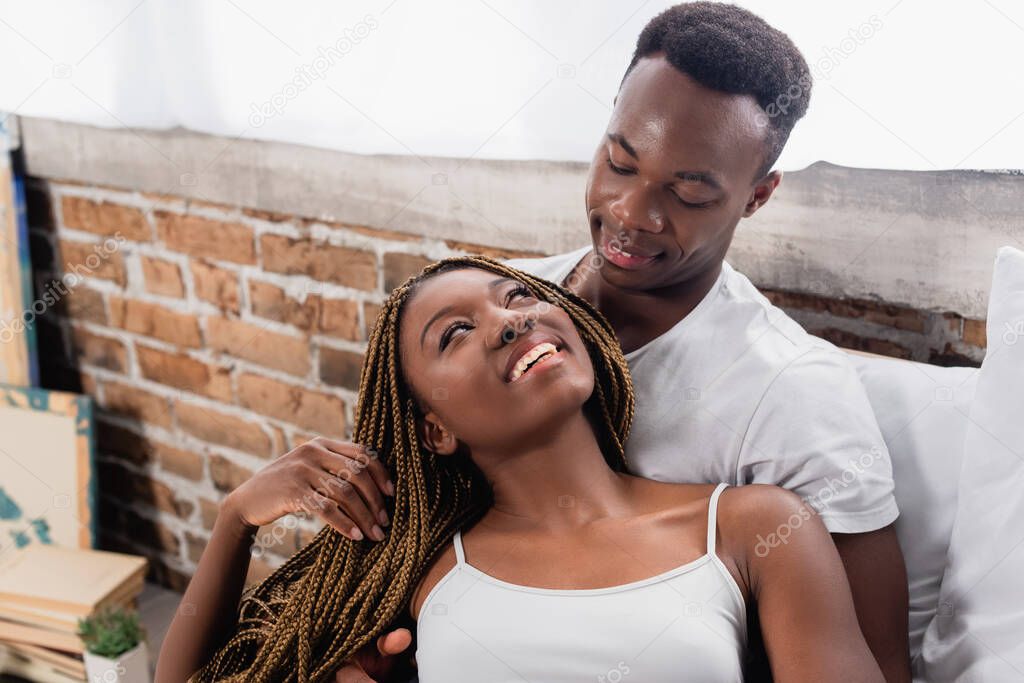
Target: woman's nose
508	326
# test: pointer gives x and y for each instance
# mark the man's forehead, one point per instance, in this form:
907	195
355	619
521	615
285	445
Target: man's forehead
656	98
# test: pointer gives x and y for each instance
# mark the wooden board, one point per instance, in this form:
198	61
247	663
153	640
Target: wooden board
16	339
47	484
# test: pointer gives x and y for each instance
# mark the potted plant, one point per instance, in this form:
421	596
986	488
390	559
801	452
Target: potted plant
115	647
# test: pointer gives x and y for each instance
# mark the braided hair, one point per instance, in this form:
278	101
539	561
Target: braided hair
335	595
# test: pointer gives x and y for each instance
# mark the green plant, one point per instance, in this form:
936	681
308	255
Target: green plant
110	632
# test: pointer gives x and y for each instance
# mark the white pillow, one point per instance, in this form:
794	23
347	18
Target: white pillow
978	633
922	413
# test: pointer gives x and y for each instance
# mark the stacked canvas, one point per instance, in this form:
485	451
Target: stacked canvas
45	590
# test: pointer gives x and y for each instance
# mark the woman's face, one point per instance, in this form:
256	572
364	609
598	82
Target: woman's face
460	338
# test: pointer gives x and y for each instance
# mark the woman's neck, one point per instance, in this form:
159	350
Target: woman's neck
561	483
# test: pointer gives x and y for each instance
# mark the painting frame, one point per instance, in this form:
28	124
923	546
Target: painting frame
79	409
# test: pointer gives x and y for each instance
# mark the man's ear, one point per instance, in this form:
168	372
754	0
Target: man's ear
435	436
762	192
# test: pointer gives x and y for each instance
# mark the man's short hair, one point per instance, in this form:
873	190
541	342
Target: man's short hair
732	50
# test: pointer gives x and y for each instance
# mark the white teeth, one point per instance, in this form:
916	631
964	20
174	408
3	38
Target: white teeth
542	349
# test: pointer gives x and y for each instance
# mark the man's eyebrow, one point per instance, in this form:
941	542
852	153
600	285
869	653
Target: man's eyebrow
447	309
623	143
705	177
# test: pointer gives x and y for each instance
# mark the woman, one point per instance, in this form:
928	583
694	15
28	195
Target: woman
500	403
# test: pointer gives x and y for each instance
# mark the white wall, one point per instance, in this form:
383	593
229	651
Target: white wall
901	84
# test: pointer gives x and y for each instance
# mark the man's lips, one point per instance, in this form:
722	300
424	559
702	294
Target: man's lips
625	257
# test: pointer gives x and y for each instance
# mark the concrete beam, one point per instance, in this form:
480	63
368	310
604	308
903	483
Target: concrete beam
921	239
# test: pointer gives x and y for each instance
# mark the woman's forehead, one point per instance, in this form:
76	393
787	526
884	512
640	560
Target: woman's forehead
449	287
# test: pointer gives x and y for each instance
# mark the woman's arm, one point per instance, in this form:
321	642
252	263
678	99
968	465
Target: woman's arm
206	616
321	477
792	570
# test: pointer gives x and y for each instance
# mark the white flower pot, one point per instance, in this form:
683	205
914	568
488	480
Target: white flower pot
130	667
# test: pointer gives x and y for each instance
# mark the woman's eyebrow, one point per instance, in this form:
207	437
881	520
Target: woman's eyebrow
447	309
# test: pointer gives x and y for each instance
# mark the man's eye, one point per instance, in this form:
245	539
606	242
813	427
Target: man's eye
693	205
618	169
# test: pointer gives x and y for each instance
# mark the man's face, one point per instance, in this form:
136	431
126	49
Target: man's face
673	176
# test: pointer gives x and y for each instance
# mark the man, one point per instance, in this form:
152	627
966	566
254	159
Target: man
728	387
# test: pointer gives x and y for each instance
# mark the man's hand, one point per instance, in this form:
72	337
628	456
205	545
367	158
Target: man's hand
375	664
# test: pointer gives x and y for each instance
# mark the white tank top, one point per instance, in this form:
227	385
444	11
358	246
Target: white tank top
688	623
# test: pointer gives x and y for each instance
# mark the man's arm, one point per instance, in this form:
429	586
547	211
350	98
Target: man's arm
878	580
814	433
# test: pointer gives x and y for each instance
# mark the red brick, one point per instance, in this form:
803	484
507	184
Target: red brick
848	340
84	303
100	351
398	267
195	545
371	312
259	569
259	345
334	317
227	475
322	413
269	216
206	238
92	260
320	261
105	218
974	333
181	372
339	318
494	252
183	463
227	430
271	302
216	285
155	321
165	575
122	444
131	487
162	277
137	404
378	233
341	368
899	317
208	511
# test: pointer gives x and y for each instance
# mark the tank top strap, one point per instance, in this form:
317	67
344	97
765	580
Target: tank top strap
713	516
460	555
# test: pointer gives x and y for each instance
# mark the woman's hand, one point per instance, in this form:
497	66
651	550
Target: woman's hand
339	481
376	662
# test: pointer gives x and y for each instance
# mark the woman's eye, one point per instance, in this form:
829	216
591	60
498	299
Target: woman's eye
518	290
446	336
618	169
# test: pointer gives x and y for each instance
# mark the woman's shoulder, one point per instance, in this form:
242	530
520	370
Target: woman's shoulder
443	563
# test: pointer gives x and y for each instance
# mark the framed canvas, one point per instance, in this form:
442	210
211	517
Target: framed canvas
47	480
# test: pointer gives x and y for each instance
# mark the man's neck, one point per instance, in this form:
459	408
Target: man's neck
640	316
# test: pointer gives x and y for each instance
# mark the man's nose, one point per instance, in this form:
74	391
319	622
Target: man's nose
635	209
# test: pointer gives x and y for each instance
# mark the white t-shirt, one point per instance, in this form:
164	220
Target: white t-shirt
738	392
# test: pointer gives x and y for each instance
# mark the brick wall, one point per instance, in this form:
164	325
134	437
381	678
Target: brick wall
214	338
